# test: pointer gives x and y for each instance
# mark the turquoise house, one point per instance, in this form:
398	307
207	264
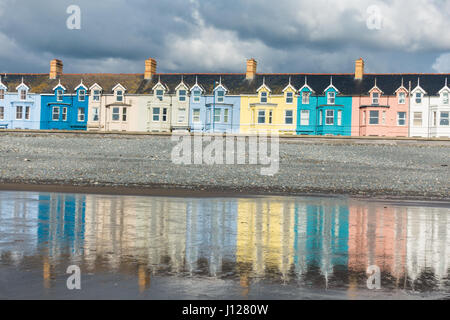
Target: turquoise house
327	113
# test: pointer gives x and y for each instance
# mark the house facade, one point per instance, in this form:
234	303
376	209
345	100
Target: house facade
19	108
64	109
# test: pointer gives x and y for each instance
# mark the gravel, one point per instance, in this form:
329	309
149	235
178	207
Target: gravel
390	168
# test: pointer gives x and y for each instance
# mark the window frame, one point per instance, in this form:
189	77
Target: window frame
23	94
96	96
447	118
2	94
27	113
305	97
418	97
289	97
220	96
402	97
217	113
261	115
331	97
339	117
19	112
302	117
64	114
417	119
95	114
55	113
327	117
115	116
226	115
119	97
81	116
445	100
196	114
291	117
124	114
401	119
263	97
159	94
2	113
197	93
156	115
59	95
372	118
376	98
81	94
182	97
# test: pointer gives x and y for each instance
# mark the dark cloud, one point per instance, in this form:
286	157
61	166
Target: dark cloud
204	35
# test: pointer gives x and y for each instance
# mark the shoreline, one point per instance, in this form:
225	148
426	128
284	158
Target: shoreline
178	191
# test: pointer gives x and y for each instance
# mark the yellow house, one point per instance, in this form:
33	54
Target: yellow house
267	111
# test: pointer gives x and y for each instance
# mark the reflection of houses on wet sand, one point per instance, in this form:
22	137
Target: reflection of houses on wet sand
427	246
265	237
377	237
211	236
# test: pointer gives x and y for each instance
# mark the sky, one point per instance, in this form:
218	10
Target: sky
284	36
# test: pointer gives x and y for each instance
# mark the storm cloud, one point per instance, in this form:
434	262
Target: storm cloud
217	36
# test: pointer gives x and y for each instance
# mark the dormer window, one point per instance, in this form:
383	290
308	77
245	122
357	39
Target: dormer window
305	97
59	95
23	94
289	97
445	97
418	97
263	97
160	94
96	95
197	94
220	96
331	97
2	94
375	98
401	98
182	95
119	95
82	95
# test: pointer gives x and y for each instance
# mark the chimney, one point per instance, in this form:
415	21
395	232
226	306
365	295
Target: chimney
56	68
150	68
251	69
359	69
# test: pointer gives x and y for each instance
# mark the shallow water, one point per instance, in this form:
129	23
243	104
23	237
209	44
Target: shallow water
221	248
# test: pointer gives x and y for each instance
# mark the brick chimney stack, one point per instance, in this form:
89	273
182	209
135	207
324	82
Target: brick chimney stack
359	69
150	68
251	69
56	68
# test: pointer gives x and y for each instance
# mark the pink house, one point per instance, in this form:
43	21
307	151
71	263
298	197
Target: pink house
381	113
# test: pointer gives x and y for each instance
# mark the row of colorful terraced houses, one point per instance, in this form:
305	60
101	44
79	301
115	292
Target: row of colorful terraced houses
357	104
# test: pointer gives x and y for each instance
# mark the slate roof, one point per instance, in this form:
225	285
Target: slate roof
235	83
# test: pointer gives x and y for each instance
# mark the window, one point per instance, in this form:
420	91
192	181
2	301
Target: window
375	98
182	95
217	113
156	114
445	98
418	97
160	94
197	95
96	96
2	94
305	98
81	95
55	113
164	114
263	97
321	117
304	117
331	97
401	118
116	114
383	117
119	97
95	114
401	98
64	114
19	112
289	97
81	114
220	95
364	118
225	115
417	119
124	114
196	115
444	118
261	116
373	117
270	116
288	117
23	94
329	117
27	113
2	113
181	114
339	119
434	118
59	95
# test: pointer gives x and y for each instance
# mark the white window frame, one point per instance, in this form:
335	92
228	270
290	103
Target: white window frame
304	117
81	114
119	95
217	113
327	117
375	98
27	113
159	93
64	114
220	96
196	115
401	118
55	113
23	94
289	97
383	117
270	116
305	97
445	97
59	95
291	117
124	114
402	97
418	97
182	97
197	95
82	95
261	115
417	118
96	95
226	115
263	97
321	117
444	118
156	116
95	116
19	112
331	97
339	118
373	118
115	114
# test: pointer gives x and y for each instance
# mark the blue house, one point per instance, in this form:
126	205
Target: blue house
215	112
62	110
327	114
19	109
